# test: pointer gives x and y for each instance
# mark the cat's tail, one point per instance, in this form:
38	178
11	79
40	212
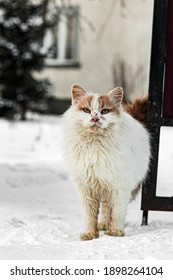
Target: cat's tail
135	192
138	109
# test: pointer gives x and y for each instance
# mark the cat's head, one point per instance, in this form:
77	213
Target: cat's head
97	111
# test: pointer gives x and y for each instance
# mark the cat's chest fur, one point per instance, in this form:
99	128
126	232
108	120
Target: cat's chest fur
96	159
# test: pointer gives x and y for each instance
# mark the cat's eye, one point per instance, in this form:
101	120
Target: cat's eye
86	110
105	111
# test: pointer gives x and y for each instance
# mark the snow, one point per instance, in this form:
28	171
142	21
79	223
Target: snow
11	47
27	56
12	21
41	217
35	21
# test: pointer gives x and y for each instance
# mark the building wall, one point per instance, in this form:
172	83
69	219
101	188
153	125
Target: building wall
121	40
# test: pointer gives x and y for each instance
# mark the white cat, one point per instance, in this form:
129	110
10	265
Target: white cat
108	153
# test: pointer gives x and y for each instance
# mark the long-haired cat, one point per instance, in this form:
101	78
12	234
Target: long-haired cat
108	153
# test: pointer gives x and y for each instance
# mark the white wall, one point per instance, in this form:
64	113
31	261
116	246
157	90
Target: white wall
127	36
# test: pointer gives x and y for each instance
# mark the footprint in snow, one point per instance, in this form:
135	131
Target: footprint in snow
17	223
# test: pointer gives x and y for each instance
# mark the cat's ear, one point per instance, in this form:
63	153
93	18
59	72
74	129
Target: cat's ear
77	93
116	96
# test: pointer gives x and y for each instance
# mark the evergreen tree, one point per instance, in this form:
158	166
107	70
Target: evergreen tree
22	29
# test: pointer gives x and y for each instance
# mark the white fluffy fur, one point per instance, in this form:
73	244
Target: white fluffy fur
105	166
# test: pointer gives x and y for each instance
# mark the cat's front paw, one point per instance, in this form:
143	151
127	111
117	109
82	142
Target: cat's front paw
115	232
89	235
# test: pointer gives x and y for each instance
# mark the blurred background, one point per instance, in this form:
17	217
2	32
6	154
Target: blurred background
47	45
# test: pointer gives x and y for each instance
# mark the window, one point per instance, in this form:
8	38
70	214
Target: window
61	42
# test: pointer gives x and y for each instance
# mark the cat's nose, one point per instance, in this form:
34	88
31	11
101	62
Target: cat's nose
95	119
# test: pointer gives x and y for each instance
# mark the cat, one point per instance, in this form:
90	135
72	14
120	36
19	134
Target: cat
108	153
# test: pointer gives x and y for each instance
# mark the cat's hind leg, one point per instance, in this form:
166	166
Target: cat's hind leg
104	216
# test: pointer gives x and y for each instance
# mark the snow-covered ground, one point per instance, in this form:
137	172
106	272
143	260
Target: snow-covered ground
40	214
